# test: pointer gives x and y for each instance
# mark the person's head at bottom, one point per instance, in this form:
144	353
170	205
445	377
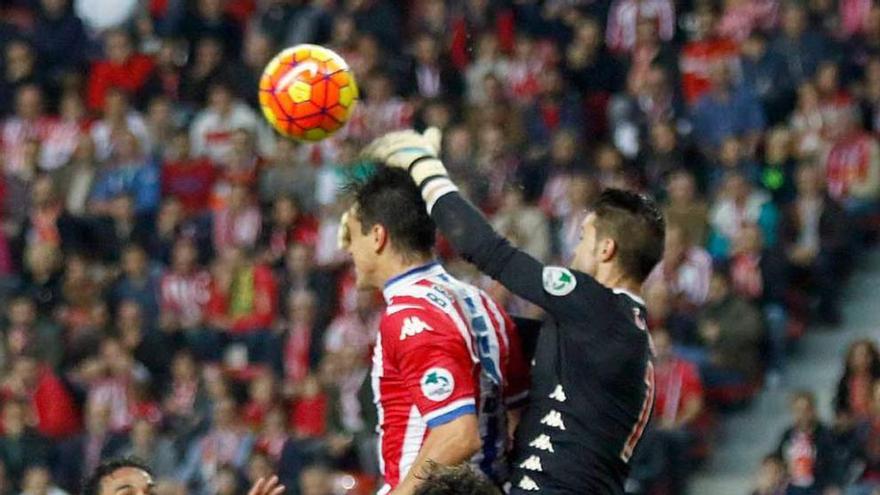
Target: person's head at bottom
455	480
126	476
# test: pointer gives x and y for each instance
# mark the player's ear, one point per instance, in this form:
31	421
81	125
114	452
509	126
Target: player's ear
379	236
607	250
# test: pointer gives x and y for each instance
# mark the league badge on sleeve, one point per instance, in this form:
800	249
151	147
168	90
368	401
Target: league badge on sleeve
558	281
437	384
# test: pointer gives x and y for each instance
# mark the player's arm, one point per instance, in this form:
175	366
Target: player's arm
447	445
473	237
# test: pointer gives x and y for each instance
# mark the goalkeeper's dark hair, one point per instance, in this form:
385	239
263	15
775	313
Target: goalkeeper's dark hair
92	484
636	224
454	480
388	197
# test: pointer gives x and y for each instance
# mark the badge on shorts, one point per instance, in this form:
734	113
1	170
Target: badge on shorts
558	281
437	384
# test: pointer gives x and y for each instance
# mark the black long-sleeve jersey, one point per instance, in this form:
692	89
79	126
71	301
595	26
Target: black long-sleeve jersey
592	377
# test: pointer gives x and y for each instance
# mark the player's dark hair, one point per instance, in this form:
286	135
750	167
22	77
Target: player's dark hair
92	484
454	480
636	225
388	197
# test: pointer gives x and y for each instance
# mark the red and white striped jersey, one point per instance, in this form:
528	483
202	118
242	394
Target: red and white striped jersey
444	350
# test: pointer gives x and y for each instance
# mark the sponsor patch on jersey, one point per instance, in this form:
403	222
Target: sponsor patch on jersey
437	384
558	281
413	326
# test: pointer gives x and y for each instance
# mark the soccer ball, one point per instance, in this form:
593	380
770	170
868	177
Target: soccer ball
307	92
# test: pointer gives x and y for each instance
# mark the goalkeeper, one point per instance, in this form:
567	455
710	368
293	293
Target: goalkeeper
592	377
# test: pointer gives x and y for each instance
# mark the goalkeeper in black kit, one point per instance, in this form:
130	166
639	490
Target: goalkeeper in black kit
592	378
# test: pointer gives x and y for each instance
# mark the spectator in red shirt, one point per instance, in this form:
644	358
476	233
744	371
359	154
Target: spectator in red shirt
678	404
187	178
703	52
261	400
289	225
50	401
123	68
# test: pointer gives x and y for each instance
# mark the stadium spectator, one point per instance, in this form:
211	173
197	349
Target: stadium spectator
20	446
83	453
737	204
772	478
212	128
144	442
866	447
815	239
227	442
801	47
685	269
123	69
854	394
678	405
187	178
59	38
208	18
805	447
727	110
731	331
20	69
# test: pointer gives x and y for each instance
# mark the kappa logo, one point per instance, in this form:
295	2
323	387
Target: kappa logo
533	463
558	281
528	484
437	384
558	394
554	419
413	326
543	443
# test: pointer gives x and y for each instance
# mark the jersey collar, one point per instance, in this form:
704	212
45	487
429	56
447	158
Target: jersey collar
618	290
395	283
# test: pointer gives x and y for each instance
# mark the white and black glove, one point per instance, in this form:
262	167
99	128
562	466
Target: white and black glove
417	153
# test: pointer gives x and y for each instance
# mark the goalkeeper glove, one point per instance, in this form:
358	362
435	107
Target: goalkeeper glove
417	154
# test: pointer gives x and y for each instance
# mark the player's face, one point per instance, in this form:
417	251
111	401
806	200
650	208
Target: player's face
127	481
585	256
363	252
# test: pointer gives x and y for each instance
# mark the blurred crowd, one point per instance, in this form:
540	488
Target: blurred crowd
170	281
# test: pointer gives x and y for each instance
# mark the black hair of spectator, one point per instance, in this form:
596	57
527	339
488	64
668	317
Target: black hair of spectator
388	197
843	387
454	480
636	224
92	484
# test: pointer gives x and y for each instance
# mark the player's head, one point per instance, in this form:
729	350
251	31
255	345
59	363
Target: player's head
126	476
388	225
454	480
622	236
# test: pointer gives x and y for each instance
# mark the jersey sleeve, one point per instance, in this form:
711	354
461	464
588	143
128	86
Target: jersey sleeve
564	293
435	362
516	387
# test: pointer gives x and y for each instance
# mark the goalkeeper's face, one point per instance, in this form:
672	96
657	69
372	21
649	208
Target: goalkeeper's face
586	256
